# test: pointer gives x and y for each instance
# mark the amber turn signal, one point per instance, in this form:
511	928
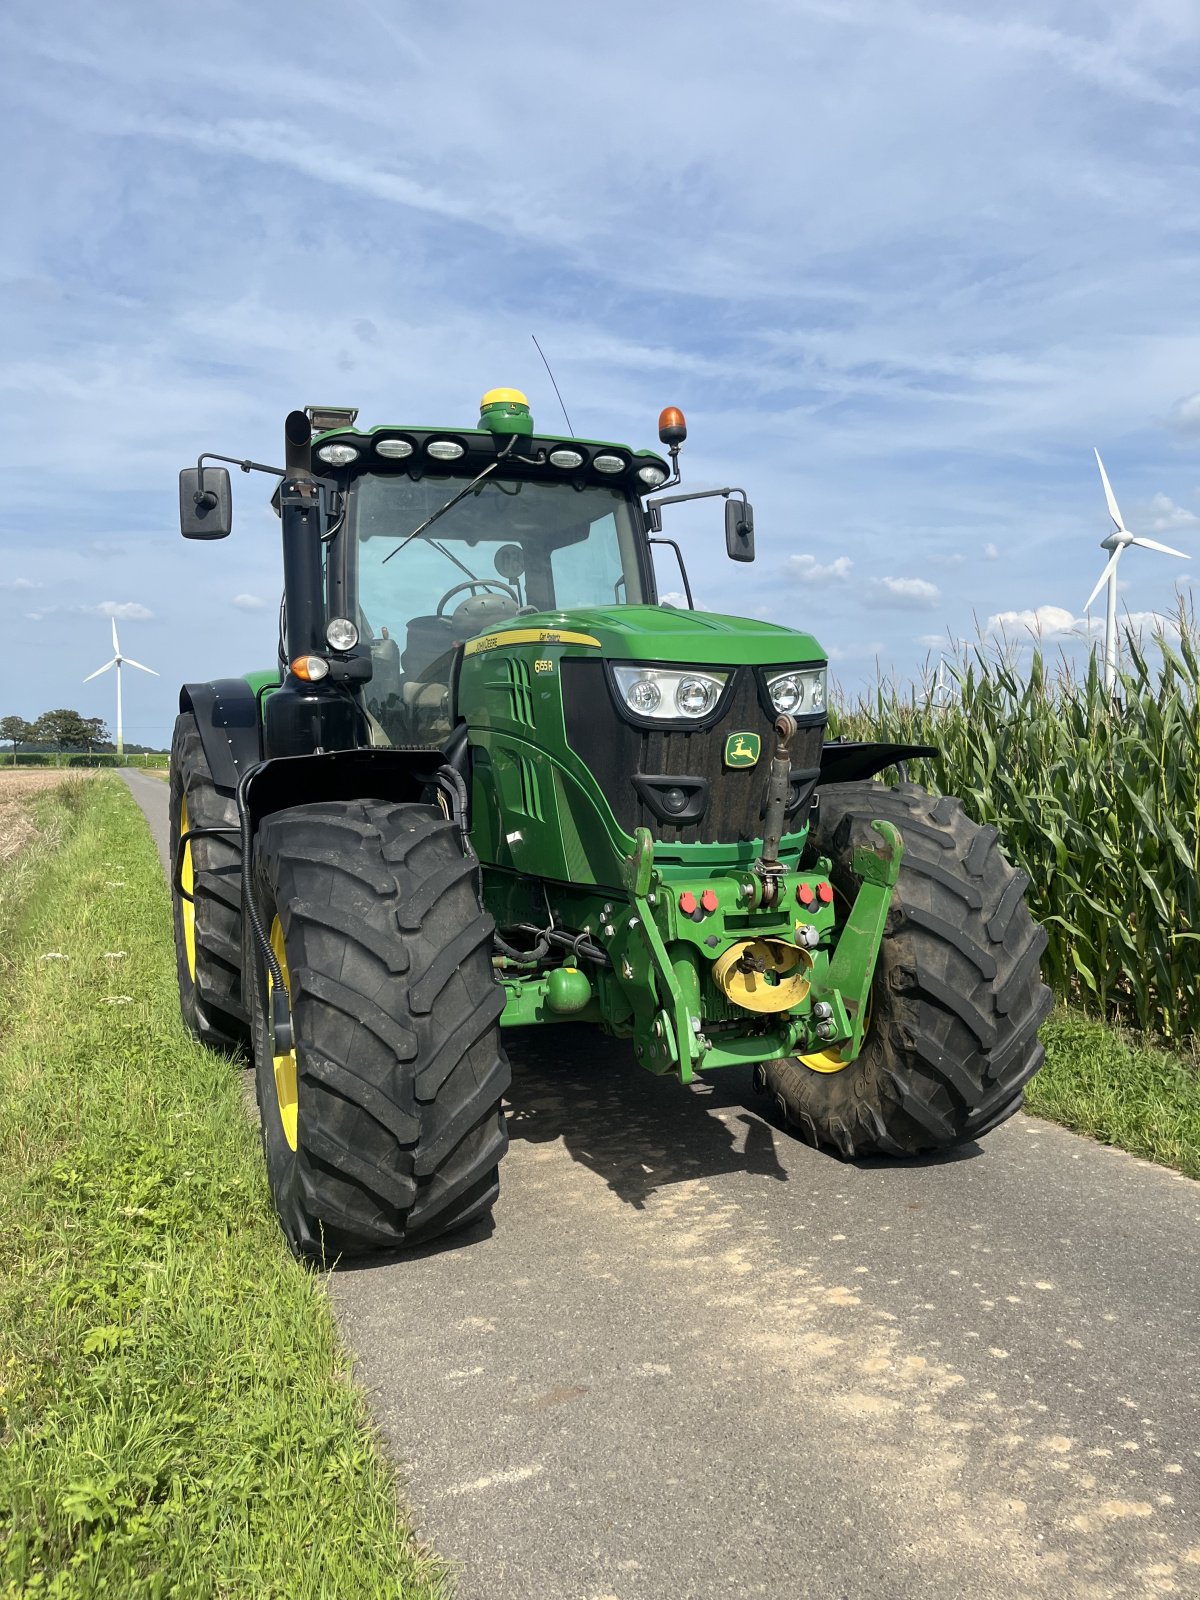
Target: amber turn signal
672	429
310	668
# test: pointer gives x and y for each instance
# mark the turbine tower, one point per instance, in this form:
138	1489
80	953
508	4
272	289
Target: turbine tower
119	661
1116	541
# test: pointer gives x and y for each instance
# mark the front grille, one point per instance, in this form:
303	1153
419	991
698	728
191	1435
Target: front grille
615	752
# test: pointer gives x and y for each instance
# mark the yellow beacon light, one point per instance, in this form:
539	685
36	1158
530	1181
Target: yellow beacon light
505	411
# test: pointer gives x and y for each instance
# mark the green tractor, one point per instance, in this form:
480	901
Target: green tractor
494	782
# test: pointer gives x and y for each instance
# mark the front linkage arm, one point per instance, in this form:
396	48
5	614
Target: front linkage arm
845	985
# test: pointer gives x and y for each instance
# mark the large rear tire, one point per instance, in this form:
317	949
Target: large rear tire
957	997
208	934
384	1128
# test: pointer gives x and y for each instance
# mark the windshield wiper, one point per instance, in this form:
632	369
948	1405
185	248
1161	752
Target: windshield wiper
453	501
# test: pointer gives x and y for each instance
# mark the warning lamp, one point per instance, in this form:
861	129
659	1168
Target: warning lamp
672	429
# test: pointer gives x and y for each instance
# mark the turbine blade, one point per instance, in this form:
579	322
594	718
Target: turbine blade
1114	509
116	646
1109	569
130	662
99	670
1153	544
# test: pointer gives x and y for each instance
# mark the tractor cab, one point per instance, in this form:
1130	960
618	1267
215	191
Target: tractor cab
438	535
512	547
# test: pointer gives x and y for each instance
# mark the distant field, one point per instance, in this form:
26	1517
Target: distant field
18	795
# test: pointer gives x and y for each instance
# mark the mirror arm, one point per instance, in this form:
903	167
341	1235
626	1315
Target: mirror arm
205	497
696	494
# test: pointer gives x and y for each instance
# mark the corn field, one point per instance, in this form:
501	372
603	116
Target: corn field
1097	799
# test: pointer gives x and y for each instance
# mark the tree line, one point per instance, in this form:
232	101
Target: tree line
62	729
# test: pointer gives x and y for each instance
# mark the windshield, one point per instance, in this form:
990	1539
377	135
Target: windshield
509	547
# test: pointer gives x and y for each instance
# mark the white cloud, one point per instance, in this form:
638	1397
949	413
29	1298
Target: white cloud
1043	622
250	602
1185	413
932	641
1148	623
990	552
904	594
1167	515
808	570
122	610
18	583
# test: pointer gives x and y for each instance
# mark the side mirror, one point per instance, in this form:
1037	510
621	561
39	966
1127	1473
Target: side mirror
739	530
207	513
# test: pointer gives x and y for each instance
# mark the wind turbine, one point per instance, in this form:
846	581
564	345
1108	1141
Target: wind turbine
119	661
1116	541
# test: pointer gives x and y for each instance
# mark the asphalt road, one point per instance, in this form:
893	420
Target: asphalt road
694	1360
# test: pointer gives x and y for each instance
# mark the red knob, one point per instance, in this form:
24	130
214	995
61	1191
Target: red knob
708	900
825	894
687	903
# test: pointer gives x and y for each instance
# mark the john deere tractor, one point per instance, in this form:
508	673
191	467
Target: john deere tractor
494	782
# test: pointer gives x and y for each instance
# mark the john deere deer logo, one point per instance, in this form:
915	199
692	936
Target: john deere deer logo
742	749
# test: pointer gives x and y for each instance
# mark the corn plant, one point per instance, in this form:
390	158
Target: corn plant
1097	799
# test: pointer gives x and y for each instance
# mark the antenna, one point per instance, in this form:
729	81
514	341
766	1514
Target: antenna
557	391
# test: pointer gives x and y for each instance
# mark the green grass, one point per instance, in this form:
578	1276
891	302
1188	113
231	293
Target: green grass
176	1413
1119	1090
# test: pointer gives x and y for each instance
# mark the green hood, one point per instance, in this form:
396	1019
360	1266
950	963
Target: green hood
660	633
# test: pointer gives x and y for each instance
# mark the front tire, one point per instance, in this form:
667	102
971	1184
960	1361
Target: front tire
385	1128
208	936
957	996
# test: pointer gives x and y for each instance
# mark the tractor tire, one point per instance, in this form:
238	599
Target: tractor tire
957	997
208	933
384	1127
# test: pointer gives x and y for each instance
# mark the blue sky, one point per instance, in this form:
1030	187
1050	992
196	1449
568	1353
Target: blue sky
903	265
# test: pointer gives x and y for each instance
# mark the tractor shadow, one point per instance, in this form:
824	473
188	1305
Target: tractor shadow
637	1131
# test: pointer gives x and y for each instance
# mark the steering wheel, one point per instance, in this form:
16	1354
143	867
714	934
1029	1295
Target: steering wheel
477	583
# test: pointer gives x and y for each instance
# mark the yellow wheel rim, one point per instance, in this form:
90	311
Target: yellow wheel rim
285	1065
186	905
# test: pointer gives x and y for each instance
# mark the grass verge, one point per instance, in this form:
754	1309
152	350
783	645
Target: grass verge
176	1414
1119	1090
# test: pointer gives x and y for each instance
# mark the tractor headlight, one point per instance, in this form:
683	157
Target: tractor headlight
667	696
800	692
337	455
341	634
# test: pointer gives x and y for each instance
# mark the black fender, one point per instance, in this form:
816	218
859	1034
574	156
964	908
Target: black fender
365	774
848	761
228	717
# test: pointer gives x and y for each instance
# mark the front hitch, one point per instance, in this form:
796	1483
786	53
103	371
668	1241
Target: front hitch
840	993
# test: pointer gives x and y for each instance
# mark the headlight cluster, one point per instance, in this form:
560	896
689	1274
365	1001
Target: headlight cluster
667	696
800	692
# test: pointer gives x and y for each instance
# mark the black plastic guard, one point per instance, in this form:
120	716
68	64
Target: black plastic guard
846	761
227	716
400	775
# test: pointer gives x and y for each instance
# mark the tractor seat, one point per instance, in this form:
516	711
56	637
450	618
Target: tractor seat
429	638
